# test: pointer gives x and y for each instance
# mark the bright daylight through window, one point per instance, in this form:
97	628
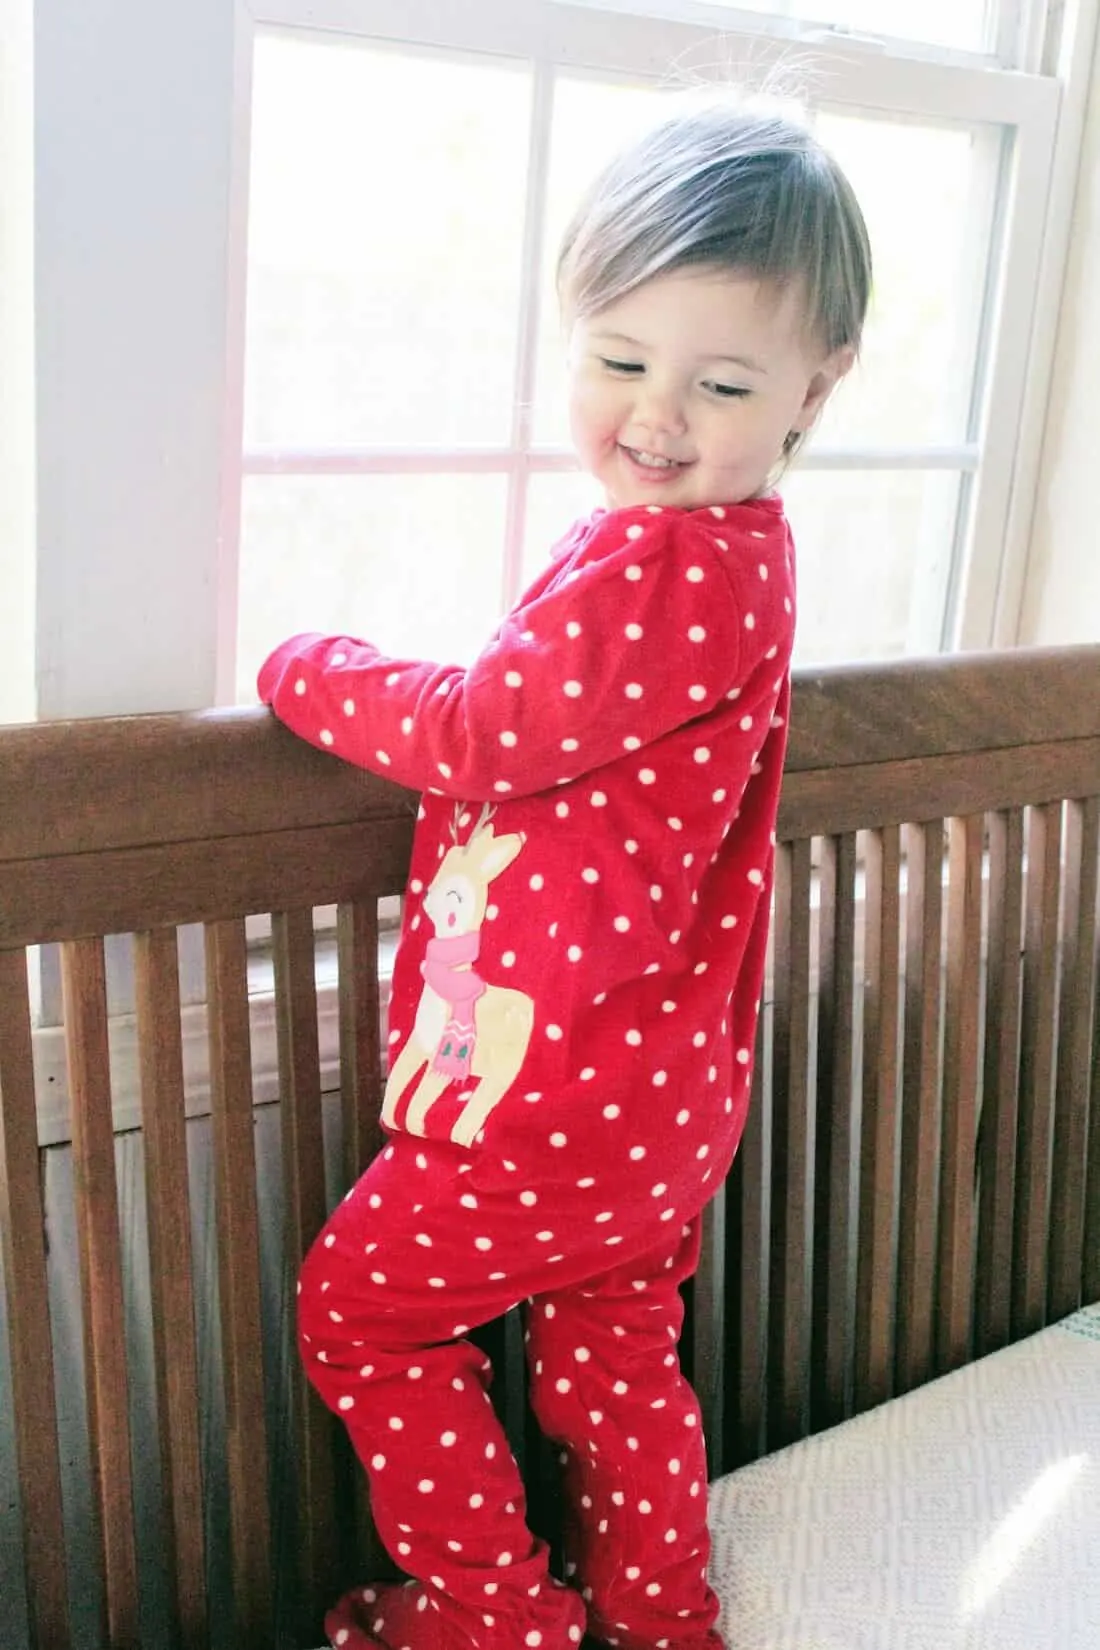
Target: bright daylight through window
406	464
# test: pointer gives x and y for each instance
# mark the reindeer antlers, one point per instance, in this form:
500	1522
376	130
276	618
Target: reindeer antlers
486	814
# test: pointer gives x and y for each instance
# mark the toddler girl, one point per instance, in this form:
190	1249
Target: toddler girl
575	996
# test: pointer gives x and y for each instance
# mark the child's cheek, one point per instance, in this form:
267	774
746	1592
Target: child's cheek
589	418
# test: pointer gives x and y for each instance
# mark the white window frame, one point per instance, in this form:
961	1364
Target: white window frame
17	310
1019	24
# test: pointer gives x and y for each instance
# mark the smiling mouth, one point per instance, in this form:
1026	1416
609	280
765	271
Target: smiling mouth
652	461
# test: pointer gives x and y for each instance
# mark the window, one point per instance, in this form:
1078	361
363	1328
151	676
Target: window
174	507
405	464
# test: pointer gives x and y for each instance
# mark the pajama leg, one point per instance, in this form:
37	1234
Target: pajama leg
606	1385
385	1298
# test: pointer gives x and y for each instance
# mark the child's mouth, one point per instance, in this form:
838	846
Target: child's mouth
653	466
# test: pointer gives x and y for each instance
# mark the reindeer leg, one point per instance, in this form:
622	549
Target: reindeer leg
504	1021
472	1117
427	1092
404	1068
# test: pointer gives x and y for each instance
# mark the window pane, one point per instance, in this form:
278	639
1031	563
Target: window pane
931	239
385	230
874	561
409	563
964	25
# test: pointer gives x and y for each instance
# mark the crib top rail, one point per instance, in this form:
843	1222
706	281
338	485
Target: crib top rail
127	822
208	774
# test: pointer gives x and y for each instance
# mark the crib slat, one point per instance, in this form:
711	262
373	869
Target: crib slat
1090	1280
704	1326
920	1103
1079	941
1000	1086
834	1144
745	1251
23	1245
962	1040
361	1108
1037	1052
745	1259
878	1145
239	1274
304	1214
790	1130
84	986
360	1052
157	994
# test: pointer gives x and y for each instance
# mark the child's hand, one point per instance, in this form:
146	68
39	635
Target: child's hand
275	663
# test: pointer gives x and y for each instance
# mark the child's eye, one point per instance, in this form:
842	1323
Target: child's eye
613	365
726	390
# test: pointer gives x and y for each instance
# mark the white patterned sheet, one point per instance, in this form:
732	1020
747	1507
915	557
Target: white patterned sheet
963	1516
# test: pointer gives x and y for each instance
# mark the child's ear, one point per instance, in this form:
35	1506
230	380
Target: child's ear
822	385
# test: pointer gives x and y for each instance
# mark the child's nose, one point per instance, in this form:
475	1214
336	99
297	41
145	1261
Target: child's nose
659	409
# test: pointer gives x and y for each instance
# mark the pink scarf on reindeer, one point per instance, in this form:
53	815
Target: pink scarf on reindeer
445	971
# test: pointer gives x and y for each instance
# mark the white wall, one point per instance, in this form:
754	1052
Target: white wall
1062	592
17	697
134	133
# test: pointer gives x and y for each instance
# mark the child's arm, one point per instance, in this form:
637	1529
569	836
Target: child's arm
661	617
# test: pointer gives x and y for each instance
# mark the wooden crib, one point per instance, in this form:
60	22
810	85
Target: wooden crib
919	1183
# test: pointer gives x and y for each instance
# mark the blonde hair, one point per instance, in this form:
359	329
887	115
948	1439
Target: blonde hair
742	188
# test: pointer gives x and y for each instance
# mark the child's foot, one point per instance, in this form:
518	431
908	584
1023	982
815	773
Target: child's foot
394	1616
371	1615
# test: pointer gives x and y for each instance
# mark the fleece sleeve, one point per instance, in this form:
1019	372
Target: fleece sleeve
657	617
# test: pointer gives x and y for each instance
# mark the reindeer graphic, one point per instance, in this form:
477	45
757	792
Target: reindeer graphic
464	1027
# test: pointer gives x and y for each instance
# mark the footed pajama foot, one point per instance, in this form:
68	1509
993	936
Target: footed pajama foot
378	1616
395	1616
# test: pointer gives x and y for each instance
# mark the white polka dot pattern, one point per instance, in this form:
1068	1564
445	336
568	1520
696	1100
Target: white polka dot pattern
596	832
421	1420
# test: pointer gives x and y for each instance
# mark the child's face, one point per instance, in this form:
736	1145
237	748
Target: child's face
684	391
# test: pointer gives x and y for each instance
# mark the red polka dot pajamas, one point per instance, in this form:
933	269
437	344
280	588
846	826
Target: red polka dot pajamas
572	1018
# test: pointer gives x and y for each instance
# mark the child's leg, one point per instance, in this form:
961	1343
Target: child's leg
606	1385
386	1295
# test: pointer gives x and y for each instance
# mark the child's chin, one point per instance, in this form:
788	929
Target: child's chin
648	502
624	496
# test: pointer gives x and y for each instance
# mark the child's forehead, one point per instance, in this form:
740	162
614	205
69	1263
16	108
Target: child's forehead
716	310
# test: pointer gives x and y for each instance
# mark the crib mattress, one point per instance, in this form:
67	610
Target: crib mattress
963	1516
